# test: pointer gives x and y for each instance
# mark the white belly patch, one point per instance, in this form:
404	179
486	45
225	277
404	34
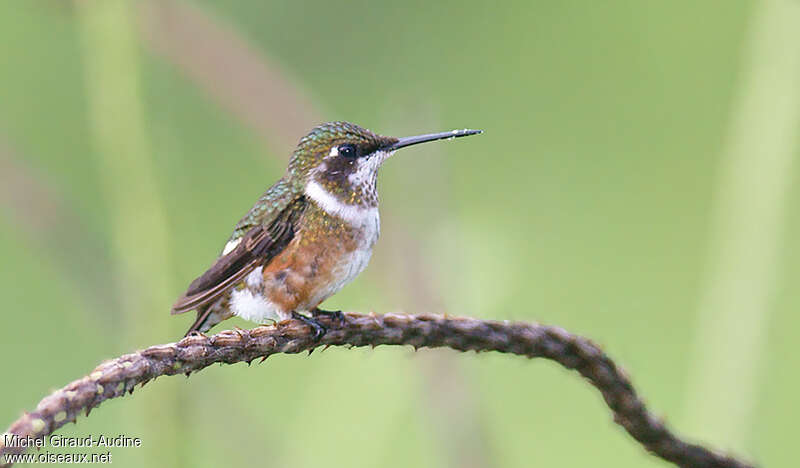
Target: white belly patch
251	305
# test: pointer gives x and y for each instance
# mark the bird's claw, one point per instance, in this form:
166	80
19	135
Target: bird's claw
334	315
319	329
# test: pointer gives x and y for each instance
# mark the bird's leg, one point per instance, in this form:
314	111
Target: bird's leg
319	329
334	315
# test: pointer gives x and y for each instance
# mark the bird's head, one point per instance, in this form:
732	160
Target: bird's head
343	159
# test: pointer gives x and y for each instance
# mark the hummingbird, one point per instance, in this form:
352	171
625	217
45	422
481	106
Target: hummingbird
306	237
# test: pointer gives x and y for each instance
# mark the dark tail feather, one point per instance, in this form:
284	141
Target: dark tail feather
202	315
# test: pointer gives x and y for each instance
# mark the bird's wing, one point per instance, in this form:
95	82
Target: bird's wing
257	246
267	208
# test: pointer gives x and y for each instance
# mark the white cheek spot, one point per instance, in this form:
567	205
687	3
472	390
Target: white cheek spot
334	151
231	245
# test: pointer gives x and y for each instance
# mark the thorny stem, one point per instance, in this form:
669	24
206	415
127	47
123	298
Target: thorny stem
114	378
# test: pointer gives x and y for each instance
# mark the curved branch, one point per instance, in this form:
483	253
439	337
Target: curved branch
115	377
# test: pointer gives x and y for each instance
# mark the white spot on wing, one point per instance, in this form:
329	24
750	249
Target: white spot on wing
230	246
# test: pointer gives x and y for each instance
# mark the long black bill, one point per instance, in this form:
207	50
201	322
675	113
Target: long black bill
413	140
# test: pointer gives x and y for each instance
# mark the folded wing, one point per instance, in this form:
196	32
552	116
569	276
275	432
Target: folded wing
257	247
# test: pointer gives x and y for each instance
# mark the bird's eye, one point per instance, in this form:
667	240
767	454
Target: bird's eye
347	151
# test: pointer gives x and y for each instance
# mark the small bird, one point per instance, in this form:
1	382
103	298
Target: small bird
310	234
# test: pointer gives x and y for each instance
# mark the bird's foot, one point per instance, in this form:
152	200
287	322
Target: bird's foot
334	315
319	329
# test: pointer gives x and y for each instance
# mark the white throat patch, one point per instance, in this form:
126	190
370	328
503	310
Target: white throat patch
367	171
354	214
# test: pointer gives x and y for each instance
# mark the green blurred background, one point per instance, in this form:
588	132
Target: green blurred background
636	184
